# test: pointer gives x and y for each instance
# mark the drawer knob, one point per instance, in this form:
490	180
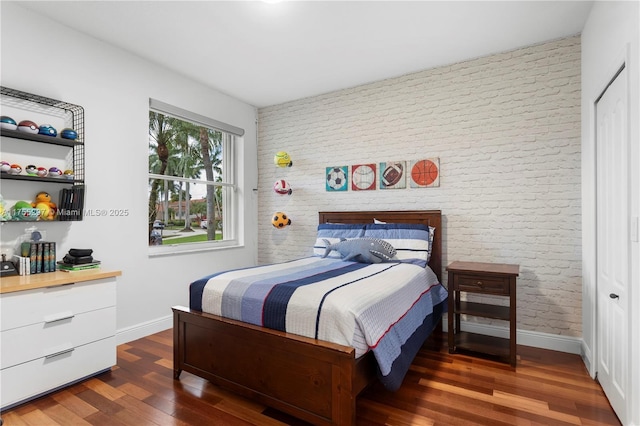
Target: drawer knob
479	284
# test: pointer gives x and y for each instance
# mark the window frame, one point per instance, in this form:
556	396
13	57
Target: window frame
230	135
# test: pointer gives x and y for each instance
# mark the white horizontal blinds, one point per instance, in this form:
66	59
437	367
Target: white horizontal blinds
183	114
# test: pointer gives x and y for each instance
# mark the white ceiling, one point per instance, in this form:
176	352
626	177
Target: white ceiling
266	54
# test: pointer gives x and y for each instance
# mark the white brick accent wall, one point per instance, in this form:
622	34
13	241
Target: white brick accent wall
507	131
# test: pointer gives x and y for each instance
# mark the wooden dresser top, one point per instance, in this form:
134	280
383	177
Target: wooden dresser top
50	279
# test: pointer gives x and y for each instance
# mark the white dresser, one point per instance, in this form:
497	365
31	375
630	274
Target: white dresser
56	328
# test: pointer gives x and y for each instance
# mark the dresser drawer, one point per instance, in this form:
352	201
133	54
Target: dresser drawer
34	341
27	307
481	284
25	381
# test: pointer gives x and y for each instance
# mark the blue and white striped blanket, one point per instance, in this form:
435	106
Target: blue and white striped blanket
389	308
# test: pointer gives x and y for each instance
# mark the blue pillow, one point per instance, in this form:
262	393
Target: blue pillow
334	232
413	242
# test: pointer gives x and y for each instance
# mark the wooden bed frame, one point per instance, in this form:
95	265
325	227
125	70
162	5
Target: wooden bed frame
310	379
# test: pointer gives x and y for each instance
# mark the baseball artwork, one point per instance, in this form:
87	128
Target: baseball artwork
425	173
392	175
363	177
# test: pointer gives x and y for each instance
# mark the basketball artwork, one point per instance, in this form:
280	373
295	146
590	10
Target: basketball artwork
425	173
392	175
337	178
363	177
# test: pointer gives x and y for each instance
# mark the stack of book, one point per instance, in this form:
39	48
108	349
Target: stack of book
68	267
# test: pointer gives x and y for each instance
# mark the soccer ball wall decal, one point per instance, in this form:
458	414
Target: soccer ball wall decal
280	220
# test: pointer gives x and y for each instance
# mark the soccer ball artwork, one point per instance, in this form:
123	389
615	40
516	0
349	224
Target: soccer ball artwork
336	178
280	220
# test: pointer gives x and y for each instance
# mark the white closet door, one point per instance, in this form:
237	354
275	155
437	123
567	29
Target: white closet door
613	243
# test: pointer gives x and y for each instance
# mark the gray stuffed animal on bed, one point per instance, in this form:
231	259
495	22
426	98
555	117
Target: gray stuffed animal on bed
363	250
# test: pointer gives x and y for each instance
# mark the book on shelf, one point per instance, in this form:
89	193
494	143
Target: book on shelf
71	203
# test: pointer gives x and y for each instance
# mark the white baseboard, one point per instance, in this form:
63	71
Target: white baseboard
143	329
554	342
585	353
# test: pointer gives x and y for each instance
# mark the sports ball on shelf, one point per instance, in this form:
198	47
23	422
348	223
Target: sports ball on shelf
5	167
279	220
28	127
42	172
68	174
282	159
16	169
55	172
31	170
336	179
68	133
392	174
7	122
48	130
282	187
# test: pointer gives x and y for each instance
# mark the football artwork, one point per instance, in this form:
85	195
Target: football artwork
363	177
425	173
337	178
392	175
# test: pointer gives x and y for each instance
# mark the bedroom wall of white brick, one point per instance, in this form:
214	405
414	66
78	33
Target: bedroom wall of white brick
507	131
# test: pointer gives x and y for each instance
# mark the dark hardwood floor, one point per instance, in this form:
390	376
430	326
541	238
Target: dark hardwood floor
547	388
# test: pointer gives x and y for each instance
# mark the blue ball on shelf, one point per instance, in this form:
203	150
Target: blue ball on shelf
48	130
7	122
68	133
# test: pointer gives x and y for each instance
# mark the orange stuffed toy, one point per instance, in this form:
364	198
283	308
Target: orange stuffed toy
47	208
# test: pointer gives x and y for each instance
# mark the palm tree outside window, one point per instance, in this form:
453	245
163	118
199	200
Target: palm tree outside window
191	192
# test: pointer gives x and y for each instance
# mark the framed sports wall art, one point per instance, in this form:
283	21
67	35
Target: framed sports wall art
337	178
425	173
363	177
393	175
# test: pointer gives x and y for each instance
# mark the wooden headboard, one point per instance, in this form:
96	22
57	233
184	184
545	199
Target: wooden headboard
425	217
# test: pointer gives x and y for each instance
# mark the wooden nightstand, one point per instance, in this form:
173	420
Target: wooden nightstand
494	279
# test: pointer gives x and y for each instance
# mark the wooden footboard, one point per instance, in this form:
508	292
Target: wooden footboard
310	379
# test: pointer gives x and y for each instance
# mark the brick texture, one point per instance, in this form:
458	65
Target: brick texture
506	128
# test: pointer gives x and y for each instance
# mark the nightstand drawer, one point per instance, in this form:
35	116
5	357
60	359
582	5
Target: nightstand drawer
481	284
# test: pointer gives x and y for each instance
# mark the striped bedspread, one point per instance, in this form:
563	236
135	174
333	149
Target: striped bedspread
389	308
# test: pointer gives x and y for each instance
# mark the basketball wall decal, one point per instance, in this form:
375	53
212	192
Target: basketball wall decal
392	175
425	173
363	177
